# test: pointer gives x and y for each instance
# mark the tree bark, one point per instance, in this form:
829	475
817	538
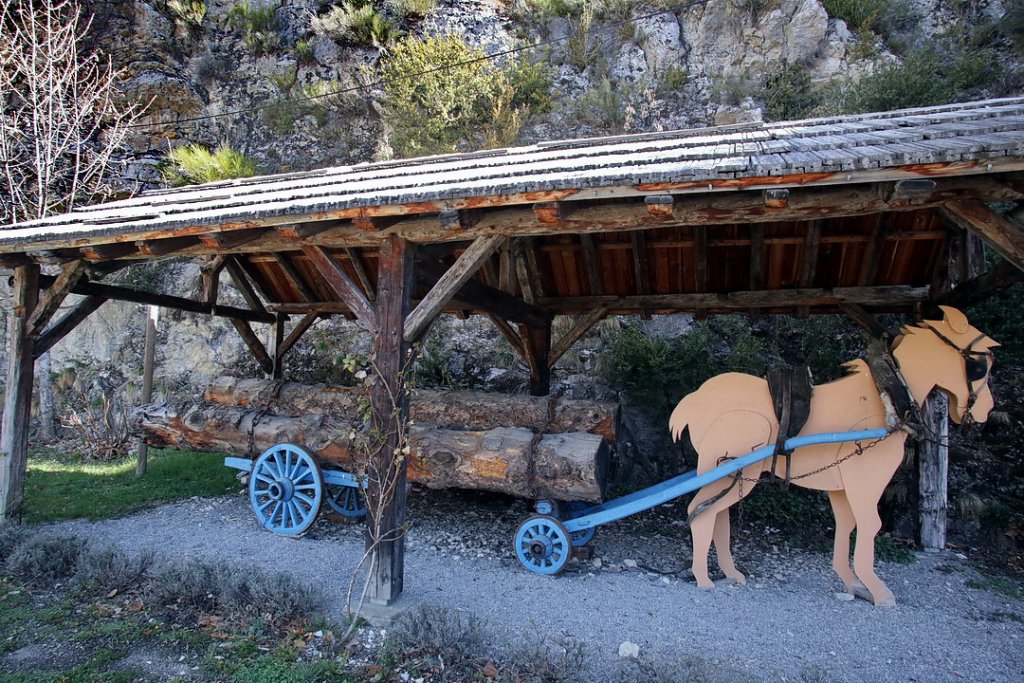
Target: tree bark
510	460
471	410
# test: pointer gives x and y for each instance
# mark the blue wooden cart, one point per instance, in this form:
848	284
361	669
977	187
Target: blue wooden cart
287	488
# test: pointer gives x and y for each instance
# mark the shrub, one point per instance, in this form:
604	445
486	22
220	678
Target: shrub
192	586
449	635
685	669
188	14
546	661
355	22
108	569
45	559
883	17
916	82
258	25
304	52
789	95
1012	23
440	94
604	106
11	536
193	164
411	8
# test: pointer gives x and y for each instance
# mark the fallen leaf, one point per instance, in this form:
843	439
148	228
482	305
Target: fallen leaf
489	670
112	593
299	643
134	606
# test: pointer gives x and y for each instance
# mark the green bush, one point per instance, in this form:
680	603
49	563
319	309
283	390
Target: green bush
44	559
355	22
188	14
304	52
789	95
1012	23
412	8
883	17
440	95
194	164
916	82
258	25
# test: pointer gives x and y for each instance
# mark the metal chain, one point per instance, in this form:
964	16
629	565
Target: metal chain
275	390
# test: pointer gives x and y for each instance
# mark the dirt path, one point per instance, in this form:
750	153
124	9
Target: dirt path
788	617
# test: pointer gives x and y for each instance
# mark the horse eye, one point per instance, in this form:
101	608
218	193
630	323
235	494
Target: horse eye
976	368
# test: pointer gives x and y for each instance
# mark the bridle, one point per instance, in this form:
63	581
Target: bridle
976	366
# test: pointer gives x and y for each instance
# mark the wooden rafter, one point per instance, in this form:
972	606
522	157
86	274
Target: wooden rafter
210	277
809	261
476	295
872	258
294	278
640	264
243	284
117	293
582	326
343	286
897	295
1004	235
51	299
449	284
1001	276
361	273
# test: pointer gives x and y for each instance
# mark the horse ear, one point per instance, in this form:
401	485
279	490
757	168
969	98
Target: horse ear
956	320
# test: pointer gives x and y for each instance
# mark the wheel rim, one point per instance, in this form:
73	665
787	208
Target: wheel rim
347	501
542	545
286	489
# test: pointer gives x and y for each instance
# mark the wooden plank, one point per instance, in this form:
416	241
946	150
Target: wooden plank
386	468
54	295
933	472
506	269
528	283
549	212
69	321
700	264
361	273
297	332
757	276
252	341
809	263
168	246
17	415
347	290
509	333
982	287
591	264
210	276
243	284
275	339
638	240
117	293
660	206
294	277
537	347
872	254
897	295
449	284
148	365
581	327
1004	235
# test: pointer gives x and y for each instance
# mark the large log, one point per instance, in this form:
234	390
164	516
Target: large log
511	460
469	410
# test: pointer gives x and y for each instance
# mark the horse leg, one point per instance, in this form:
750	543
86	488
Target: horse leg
702	529
865	511
845	524
721	538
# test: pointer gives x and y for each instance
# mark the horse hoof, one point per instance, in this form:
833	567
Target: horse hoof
861	591
706	585
886	602
737	580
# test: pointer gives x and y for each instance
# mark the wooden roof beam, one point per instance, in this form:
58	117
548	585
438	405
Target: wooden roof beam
117	293
592	264
304	231
896	295
168	246
1003	234
660	206
356	261
243	284
235	238
448	285
1001	276
342	285
550	213
109	252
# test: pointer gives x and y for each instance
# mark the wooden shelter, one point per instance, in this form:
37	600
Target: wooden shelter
875	212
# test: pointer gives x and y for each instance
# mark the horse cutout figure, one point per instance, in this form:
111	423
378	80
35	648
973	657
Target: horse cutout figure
733	414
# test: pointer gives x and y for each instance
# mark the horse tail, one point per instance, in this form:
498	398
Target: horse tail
682	415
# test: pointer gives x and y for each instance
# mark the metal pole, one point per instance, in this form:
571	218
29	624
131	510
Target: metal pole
147	380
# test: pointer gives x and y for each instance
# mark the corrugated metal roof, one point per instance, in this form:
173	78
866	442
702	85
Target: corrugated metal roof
836	150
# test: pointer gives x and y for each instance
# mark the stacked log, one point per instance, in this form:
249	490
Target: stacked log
525	446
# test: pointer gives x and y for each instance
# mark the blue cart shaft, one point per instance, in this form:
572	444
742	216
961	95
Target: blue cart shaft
658	494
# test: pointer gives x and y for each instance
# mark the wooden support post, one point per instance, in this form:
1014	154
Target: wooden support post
18	392
210	275
509	333
809	265
275	340
148	361
933	469
390	401
537	348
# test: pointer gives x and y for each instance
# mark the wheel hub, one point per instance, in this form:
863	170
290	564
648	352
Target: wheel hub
539	549
281	490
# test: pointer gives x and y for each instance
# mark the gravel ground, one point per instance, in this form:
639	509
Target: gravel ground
789	616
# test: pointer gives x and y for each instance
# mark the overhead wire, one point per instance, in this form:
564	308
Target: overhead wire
378	82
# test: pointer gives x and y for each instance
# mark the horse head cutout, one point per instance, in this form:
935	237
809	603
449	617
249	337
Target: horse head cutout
734	414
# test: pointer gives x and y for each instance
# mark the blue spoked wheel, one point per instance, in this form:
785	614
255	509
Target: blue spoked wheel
286	489
542	545
580	538
347	501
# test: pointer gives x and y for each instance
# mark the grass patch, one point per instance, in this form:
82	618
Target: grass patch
998	584
57	489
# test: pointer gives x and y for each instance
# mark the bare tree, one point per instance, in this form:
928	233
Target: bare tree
61	123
